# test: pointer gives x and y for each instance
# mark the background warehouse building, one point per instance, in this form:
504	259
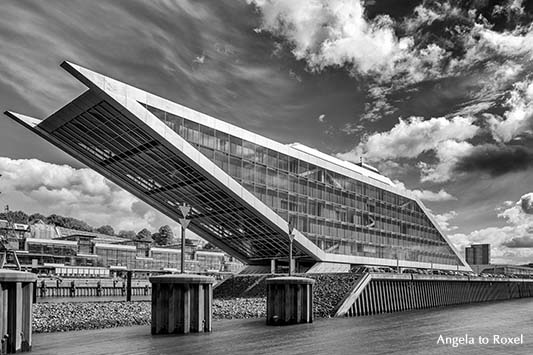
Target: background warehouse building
243	188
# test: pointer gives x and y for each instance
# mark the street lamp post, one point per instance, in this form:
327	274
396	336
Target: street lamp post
291	238
184	224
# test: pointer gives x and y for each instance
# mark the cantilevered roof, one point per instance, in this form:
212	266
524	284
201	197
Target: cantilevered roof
109	129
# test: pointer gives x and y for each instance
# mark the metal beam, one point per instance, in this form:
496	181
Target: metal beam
129	153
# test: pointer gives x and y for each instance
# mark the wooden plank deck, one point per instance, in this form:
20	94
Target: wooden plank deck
414	332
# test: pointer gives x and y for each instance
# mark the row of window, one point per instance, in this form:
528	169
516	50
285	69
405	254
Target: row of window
289	185
214	144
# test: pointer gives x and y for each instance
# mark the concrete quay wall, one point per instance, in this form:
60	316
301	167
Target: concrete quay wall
376	293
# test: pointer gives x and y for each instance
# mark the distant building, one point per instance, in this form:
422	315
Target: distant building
80	253
477	254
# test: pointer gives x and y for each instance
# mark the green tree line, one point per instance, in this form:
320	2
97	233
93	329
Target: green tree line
164	236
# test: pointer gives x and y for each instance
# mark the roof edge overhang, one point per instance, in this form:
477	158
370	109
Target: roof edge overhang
90	78
130	99
127	99
32	124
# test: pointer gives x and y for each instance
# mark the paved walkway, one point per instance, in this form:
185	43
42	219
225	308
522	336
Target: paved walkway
415	332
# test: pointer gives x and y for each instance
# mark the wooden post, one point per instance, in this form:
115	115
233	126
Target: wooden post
184	224
182	250
128	285
289	300
181	303
291	238
16	292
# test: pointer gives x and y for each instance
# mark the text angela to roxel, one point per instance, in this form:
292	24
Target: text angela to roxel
495	339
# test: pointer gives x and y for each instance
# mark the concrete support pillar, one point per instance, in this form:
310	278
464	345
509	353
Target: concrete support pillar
181	304
289	300
16	293
272	266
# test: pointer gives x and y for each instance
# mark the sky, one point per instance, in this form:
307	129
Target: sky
438	95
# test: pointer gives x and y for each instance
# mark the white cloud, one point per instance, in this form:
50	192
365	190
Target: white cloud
508	43
448	154
483	44
293	75
412	137
426	195
378	104
512	243
334	33
352	128
423	15
36	186
443	220
337	33
491	83
518	119
508	203
199	59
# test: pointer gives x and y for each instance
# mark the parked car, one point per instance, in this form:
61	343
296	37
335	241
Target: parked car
387	269
409	271
365	268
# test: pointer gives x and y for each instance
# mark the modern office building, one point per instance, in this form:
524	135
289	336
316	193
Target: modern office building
46	248
478	254
243	188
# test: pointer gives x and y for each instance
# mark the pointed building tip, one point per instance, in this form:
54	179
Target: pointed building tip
28	121
69	66
88	77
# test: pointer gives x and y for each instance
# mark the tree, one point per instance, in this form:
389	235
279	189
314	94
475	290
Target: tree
164	236
56	220
77	224
37	216
15	216
126	234
68	222
106	229
156	238
144	234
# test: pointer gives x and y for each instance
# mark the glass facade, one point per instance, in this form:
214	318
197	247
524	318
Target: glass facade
341	215
52	248
210	261
115	256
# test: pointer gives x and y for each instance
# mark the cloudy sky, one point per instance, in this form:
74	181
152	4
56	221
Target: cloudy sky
437	95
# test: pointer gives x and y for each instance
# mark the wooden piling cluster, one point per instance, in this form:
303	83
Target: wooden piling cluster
289	300
181	304
16	294
382	293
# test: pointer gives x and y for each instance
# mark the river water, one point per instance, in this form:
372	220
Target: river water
412	332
